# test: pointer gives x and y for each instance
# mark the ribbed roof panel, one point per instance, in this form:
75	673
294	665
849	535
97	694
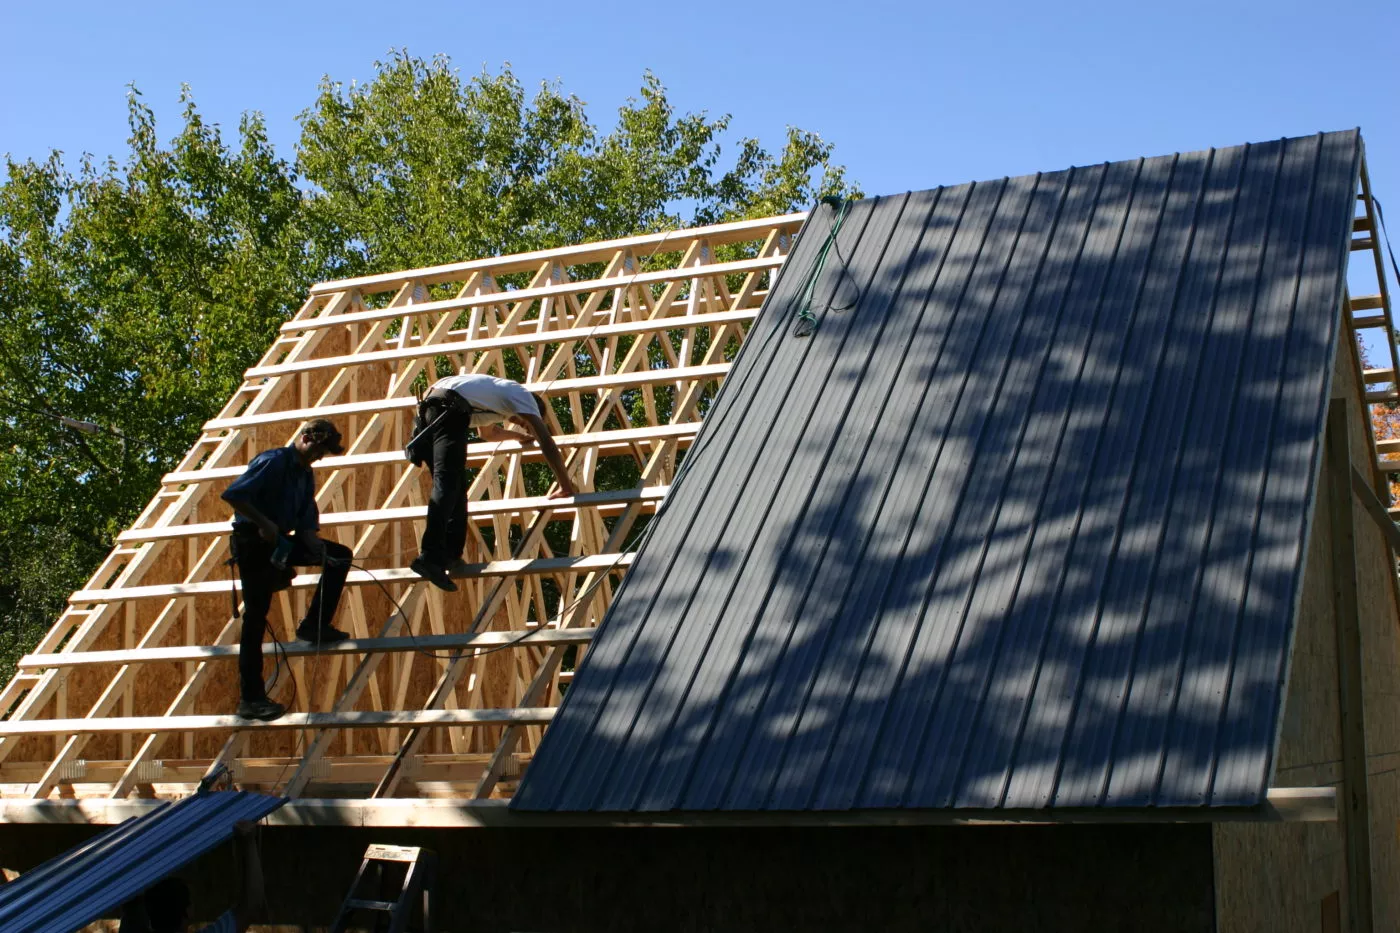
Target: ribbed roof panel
1021	523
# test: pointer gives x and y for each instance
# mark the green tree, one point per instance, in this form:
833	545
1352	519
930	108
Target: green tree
420	167
132	298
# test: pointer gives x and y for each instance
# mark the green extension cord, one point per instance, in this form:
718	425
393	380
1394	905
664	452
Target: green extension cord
806	320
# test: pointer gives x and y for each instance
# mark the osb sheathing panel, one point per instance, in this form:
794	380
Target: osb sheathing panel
1274	877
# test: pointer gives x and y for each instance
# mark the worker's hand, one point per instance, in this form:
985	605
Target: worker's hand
267	530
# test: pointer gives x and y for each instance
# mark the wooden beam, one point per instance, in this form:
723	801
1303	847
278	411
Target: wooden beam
1378	512
369	719
557	387
1355	798
306	581
554	290
1291	804
478	452
480	509
545	637
737	231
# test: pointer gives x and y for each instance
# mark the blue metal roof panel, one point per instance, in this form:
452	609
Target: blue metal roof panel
75	888
1019	525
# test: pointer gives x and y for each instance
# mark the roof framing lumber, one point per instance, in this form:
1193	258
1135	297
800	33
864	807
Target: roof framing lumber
373	719
608	443
1284	805
464	641
719	234
629	339
309	581
560	387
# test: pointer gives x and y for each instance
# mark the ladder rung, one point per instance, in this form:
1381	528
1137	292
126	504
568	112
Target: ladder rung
1361	224
358	904
1366	303
1388	395
1369	320
1374	376
1363	243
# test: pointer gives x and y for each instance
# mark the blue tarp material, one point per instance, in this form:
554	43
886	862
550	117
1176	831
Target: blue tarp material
79	886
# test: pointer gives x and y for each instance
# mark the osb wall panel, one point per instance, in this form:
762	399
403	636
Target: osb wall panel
1275	877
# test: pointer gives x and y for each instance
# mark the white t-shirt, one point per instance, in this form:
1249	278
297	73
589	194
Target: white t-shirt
492	399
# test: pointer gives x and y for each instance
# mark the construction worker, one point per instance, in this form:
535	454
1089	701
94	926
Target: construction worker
274	530
451	406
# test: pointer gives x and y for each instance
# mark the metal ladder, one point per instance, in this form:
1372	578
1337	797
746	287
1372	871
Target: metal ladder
381	867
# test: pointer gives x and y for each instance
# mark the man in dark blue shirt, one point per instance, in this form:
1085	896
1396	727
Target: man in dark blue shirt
274	529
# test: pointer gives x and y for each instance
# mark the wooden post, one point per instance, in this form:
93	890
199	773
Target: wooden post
1356	822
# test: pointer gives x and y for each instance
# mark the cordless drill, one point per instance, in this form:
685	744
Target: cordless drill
282	552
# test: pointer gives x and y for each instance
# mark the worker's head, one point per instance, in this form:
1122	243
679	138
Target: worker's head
540	403
167	905
318	438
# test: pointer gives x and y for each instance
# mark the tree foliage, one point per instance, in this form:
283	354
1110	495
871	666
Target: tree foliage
133	294
421	166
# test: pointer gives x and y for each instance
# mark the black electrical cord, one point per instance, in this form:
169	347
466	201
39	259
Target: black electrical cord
1381	214
480	652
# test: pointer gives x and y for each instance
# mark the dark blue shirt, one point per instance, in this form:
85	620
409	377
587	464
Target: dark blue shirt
277	485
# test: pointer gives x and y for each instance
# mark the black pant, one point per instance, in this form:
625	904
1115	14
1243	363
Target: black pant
259	578
445	535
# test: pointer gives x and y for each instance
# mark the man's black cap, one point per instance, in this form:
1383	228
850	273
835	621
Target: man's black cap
325	433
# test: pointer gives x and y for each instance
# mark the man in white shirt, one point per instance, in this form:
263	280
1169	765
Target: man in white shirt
453	405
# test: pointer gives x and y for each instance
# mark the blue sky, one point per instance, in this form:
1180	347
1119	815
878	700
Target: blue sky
912	94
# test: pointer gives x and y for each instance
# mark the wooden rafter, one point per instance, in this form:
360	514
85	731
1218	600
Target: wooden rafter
628	339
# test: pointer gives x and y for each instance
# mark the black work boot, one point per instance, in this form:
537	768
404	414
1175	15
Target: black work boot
433	574
263	709
320	634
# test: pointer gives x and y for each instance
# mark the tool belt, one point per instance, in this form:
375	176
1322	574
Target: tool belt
433	407
246	544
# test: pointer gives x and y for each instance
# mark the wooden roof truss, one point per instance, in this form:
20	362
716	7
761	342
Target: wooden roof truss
438	694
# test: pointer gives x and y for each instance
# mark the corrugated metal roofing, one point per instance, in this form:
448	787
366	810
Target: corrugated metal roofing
79	886
1020	525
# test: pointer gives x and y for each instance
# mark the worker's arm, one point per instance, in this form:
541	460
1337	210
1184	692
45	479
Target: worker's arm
262	471
495	433
551	456
266	526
